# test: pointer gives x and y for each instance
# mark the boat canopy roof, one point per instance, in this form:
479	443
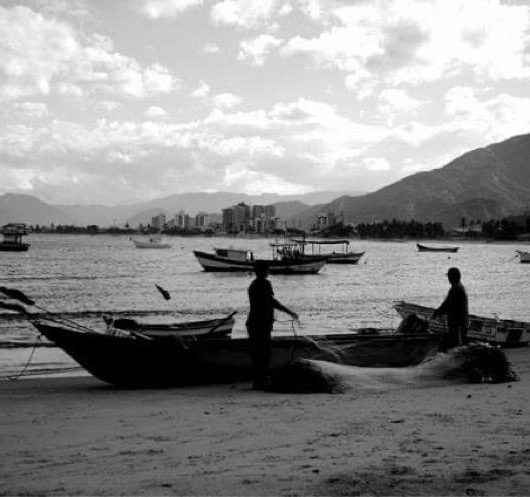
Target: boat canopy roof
321	242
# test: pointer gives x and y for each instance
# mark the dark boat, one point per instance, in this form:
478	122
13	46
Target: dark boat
235	260
140	361
424	248
12	242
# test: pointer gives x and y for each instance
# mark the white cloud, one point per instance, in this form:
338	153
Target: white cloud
156	9
155	112
211	48
240	177
249	14
203	90
413	41
226	100
376	164
257	49
41	55
107	105
32	109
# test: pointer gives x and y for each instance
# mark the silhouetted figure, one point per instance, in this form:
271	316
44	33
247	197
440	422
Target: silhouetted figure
260	321
456	309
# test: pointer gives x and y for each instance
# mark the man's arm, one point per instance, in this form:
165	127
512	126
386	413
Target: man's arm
443	308
281	307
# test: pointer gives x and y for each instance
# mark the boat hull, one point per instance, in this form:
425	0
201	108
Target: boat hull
140	362
150	245
352	258
424	248
211	262
13	247
502	331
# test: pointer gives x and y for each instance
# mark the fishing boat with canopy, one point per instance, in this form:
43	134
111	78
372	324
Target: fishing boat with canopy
342	255
13	233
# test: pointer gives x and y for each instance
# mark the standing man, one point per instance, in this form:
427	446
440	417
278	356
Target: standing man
259	322
456	308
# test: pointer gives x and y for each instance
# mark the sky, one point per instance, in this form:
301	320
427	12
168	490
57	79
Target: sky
120	101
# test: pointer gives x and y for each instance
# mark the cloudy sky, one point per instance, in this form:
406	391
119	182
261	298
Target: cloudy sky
117	101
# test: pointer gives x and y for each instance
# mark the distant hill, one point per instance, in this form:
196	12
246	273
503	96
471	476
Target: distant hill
489	182
29	209
19	208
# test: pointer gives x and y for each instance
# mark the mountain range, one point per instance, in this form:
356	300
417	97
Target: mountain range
16	207
486	183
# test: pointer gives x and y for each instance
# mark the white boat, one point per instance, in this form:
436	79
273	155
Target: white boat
341	256
501	331
154	242
524	257
239	260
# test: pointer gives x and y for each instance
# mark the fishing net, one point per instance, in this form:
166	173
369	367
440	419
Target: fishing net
304	376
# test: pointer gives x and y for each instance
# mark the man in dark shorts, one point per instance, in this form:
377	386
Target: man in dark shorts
260	321
456	309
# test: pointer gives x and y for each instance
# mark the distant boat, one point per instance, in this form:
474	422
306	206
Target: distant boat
524	257
424	248
154	242
501	331
13	233
342	256
238	260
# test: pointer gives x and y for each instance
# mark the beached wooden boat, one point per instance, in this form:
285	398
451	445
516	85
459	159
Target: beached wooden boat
236	260
524	257
138	360
500	331
425	248
208	327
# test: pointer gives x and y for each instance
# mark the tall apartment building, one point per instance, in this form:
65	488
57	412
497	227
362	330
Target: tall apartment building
241	217
158	222
228	219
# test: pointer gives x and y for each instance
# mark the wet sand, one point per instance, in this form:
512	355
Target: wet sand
77	436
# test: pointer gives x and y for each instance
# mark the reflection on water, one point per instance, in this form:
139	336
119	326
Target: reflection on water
87	275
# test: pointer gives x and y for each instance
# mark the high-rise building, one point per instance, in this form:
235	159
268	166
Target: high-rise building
201	220
270	211
228	219
257	211
241	217
158	222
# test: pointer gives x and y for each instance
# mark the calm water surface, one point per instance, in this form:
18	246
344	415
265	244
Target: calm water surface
87	275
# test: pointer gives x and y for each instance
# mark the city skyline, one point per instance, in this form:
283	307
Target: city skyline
114	103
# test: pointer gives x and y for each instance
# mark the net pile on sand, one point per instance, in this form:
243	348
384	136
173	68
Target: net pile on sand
475	363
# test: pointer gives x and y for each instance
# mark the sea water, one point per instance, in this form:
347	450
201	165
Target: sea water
84	276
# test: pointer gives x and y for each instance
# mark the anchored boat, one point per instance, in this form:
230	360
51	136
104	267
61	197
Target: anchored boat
424	248
341	256
500	331
154	242
239	260
13	233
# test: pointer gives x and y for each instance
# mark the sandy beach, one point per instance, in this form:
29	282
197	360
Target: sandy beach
78	436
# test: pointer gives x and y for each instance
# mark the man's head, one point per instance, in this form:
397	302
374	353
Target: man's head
261	268
453	275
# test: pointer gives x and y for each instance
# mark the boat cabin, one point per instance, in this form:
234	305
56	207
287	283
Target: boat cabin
287	250
235	254
13	233
316	245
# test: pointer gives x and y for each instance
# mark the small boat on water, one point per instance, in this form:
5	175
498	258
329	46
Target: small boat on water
425	248
210	327
13	233
138	360
524	257
341	256
154	242
500	331
240	260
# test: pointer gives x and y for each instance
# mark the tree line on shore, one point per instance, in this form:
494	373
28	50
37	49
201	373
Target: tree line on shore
508	228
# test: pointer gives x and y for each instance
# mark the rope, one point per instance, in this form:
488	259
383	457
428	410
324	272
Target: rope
23	370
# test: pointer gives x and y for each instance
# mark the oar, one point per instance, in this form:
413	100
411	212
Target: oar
164	292
15	294
13	307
